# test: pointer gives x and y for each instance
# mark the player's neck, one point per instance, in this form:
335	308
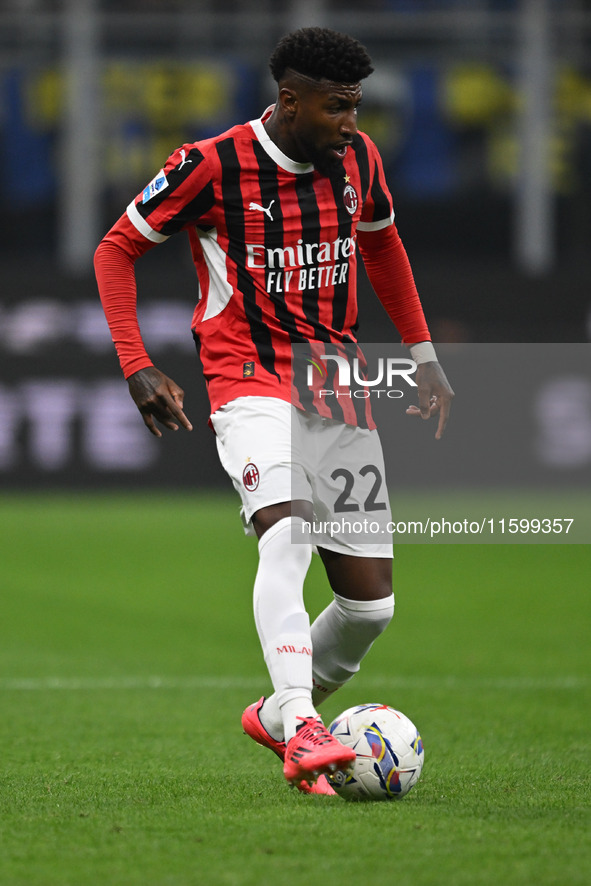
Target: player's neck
278	131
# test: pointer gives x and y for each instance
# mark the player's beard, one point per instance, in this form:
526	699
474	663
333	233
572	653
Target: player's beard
325	162
328	165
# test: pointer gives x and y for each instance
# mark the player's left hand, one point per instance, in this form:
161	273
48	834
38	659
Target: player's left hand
435	395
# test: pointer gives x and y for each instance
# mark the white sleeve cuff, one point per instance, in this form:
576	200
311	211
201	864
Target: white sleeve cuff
423	352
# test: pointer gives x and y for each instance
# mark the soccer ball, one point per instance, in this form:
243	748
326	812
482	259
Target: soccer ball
389	752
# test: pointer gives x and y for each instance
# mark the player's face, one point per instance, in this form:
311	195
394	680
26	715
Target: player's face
325	124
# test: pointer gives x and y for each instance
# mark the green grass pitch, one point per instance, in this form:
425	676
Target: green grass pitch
128	651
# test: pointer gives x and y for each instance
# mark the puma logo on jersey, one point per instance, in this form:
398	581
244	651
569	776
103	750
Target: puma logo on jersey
184	159
258	208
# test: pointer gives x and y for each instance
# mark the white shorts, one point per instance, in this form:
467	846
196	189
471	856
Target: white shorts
274	453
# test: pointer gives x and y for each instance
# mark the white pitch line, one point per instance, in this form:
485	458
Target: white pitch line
99	683
528	684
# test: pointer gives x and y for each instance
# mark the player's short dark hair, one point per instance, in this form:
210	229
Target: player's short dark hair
321	53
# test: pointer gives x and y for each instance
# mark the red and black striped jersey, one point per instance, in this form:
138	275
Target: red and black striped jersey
274	244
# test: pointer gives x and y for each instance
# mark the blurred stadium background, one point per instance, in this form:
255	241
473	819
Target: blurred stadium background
482	111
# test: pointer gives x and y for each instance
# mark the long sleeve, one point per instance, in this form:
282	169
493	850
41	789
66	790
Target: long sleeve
114	262
390	274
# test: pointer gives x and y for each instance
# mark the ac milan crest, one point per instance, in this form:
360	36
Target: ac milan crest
250	477
350	199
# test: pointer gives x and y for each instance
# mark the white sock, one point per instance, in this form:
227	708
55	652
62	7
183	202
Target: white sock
293	713
282	722
283	626
342	635
271	718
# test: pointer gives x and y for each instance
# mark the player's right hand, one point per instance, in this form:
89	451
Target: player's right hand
158	397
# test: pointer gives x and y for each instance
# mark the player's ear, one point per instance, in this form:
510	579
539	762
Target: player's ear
288	101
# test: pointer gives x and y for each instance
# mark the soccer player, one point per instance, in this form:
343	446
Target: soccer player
275	210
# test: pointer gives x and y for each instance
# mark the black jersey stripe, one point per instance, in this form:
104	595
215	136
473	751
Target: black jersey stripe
362	158
191	212
345	222
331	383
196	208
311	233
274	239
234	215
310	221
176	178
380	199
311	229
340	302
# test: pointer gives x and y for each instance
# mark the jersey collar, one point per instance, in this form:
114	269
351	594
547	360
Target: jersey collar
273	151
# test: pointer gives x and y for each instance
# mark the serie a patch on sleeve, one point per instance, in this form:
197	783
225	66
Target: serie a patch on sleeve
158	183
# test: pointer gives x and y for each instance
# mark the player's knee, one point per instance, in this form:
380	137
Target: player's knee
382	615
371	617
